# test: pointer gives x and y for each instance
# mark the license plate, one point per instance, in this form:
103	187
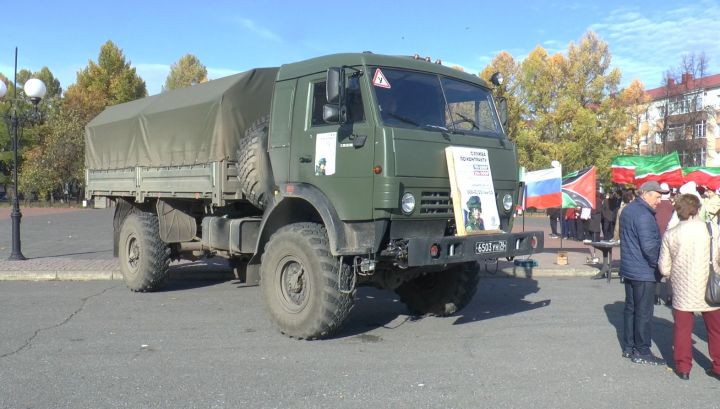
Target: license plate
498	246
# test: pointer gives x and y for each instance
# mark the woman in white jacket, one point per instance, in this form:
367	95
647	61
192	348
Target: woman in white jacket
685	258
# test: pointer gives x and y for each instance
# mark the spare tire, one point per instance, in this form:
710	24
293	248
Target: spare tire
253	163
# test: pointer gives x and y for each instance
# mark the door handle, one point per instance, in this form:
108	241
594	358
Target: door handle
306	159
358	140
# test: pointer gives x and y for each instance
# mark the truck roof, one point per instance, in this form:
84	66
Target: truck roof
321	64
197	124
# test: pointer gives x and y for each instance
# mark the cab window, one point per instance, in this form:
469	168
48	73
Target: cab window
355	111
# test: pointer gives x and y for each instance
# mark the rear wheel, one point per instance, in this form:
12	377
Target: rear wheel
144	257
299	278
441	293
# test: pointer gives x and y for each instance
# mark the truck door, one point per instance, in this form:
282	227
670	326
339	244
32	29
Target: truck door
335	158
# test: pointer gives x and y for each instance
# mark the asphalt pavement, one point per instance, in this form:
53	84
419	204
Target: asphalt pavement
76	244
548	342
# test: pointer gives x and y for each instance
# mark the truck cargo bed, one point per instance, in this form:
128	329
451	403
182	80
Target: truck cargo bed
215	181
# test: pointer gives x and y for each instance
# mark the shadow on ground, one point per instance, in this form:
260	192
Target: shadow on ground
662	334
494	298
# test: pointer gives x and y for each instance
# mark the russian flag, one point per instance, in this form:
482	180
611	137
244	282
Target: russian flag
543	188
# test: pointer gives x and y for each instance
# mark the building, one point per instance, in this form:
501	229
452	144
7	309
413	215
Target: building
683	117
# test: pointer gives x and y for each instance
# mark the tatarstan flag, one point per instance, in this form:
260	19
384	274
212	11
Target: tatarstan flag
578	188
623	168
640	169
703	176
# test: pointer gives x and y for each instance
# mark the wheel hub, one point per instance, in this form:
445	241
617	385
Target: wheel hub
294	285
133	252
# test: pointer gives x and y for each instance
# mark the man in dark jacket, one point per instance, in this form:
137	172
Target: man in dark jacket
640	250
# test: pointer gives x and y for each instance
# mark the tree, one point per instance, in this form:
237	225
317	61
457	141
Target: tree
186	72
568	107
505	64
58	157
29	131
637	104
57	161
110	81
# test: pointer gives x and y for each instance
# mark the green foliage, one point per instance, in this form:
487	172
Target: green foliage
52	151
108	82
564	107
27	131
186	72
58	158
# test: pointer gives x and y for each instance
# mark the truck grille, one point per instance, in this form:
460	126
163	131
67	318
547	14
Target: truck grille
436	203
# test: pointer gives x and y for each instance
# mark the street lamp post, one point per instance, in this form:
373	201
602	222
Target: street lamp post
34	90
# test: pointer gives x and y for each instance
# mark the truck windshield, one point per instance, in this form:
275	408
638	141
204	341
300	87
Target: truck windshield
408	99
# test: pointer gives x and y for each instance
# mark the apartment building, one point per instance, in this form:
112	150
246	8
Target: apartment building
683	116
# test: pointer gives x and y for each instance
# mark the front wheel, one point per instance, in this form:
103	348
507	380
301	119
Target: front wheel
299	278
441	293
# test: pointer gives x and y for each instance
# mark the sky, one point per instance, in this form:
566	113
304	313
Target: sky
645	38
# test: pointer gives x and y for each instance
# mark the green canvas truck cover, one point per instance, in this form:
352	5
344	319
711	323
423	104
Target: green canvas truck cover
198	124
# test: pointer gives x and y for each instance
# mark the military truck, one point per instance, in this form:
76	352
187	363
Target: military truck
312	179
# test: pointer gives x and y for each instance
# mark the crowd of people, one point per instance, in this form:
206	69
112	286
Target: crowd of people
585	223
672	235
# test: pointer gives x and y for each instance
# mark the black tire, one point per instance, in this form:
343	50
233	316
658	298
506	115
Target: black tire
299	278
441	293
144	258
253	163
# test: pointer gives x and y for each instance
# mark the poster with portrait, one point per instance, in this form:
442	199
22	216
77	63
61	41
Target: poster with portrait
325	153
472	190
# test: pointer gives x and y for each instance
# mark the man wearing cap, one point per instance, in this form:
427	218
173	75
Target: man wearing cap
640	250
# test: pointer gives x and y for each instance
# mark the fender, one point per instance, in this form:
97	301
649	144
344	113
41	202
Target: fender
297	202
301	202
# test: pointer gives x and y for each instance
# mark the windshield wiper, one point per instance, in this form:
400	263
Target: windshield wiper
465	119
437	127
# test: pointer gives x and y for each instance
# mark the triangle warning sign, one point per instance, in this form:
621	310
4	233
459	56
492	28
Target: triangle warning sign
379	79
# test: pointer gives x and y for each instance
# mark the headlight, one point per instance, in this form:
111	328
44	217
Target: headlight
507	202
408	203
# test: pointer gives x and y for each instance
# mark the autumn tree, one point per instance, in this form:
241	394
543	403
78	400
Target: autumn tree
505	64
636	103
568	107
112	80
186	72
58	158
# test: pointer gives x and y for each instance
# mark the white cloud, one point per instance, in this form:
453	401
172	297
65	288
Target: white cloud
261	31
466	68
647	42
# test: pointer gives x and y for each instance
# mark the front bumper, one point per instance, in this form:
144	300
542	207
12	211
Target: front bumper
459	249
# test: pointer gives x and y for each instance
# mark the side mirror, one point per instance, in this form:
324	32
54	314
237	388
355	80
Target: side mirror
334	111
497	79
334	86
331	113
503	112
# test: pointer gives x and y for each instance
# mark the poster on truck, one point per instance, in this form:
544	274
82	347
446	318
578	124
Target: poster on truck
472	190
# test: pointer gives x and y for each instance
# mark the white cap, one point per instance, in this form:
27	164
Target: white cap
665	187
689	188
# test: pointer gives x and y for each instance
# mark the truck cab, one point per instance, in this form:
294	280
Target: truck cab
367	134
